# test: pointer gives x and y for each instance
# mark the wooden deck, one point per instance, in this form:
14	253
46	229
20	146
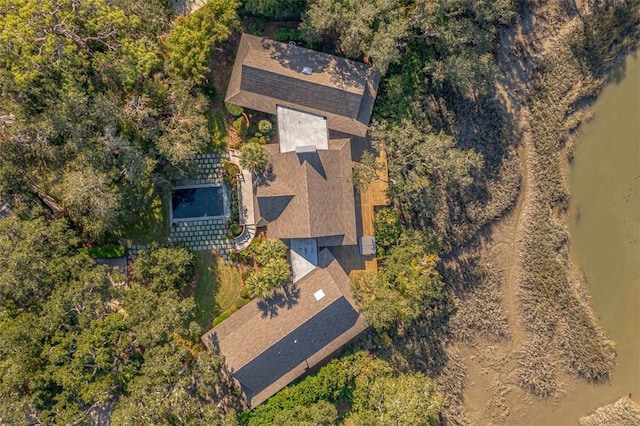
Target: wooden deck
375	195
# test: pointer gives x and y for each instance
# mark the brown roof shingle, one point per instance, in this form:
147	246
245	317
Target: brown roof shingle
268	73
308	195
268	345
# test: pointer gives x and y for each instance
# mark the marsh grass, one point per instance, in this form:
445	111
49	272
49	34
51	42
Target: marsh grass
478	300
623	412
556	315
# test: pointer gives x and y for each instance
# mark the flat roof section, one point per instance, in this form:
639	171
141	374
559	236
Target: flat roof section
301	129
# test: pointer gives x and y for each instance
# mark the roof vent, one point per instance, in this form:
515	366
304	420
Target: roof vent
307	70
318	295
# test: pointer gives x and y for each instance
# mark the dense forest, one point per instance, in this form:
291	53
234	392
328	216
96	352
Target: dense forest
103	106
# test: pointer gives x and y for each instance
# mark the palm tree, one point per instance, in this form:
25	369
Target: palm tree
253	157
268	249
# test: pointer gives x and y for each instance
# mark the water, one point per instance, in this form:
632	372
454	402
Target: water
605	232
197	202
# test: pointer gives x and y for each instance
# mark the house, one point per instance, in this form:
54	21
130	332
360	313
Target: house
267	74
306	199
267	345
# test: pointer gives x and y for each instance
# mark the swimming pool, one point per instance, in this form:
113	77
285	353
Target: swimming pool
197	202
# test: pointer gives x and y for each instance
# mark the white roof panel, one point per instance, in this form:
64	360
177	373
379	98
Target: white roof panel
300	129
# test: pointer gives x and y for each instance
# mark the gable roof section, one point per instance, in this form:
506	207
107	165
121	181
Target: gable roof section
268	73
264	352
322	203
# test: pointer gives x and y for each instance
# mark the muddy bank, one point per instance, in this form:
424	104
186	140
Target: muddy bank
545	339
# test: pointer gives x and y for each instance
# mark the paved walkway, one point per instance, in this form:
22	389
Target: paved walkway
245	204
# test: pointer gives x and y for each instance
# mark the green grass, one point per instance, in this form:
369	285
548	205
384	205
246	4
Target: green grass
150	226
218	284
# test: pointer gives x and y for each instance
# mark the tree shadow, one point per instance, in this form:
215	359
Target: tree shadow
285	298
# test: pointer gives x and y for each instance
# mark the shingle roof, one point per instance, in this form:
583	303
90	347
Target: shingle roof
268	73
267	346
308	195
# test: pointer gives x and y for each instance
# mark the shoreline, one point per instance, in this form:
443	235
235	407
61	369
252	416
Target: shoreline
517	373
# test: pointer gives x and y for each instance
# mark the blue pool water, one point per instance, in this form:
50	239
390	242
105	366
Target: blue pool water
200	202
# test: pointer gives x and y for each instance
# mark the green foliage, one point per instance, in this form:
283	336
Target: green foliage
322	413
223	316
164	268
366	171
274	274
186	127
106	252
375	393
275	9
36	256
363	27
406	399
418	160
268	249
387	230
218	131
234	110
285	34
240	126
234	230
253	157
193	37
406	283
265	127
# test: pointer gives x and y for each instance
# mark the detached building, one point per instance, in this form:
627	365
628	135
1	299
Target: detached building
307	200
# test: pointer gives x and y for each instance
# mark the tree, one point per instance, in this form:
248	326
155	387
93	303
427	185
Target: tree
194	36
406	399
363	28
275	9
185	128
407	282
36	259
253	157
268	249
164	268
322	413
387	230
420	162
175	386
366	171
274	274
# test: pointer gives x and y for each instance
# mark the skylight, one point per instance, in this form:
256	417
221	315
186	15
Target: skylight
307	70
318	295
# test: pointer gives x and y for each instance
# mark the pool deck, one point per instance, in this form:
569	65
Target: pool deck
206	233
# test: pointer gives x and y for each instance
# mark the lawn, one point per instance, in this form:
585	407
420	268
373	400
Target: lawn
218	284
151	225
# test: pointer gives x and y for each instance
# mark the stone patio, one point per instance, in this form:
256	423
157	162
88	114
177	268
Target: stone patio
205	234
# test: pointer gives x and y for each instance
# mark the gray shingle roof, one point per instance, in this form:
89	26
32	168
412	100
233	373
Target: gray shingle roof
309	195
267	346
268	73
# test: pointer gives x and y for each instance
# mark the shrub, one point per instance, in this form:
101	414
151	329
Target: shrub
253	157
234	230
234	110
223	316
265	127
287	34
240	126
